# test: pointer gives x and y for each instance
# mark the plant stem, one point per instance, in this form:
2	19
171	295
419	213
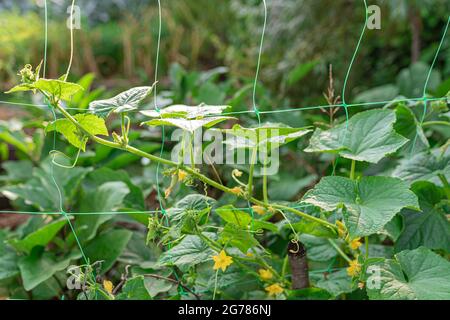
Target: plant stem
352	170
191	150
265	193
124	130
435	123
366	243
301	214
250	174
445	184
339	250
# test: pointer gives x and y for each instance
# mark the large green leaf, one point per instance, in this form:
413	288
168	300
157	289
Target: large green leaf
266	137
60	90
123	102
425	166
40	266
91	123
429	228
107	198
190	251
409	127
186	112
107	247
368	136
369	203
414	274
189	125
40	237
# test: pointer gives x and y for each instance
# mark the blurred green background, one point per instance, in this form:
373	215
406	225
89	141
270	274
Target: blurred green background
117	42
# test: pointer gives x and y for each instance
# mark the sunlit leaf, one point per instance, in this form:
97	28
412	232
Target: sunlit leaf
369	203
91	123
124	102
368	136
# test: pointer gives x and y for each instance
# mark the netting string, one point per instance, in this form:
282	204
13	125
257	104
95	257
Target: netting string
124	212
45	38
298	109
424	93
347	76
258	64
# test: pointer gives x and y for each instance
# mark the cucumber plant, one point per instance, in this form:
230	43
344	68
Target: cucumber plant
382	236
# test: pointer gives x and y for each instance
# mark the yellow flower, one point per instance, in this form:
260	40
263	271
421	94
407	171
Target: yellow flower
274	289
222	261
355	243
249	254
108	285
354	268
259	210
342	230
237	191
167	193
237	173
182	175
265	274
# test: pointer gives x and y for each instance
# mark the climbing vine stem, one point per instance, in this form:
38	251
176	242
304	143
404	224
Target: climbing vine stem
189	170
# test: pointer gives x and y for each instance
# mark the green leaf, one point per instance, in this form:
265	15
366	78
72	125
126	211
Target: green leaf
21	88
236	217
8	259
411	80
123	102
409	127
335	283
312	228
185	112
40	237
418	274
237	237
191	251
300	71
429	228
156	286
386	92
108	247
266	137
369	203
134	289
91	123
319	249
243	219
425	166
133	200
187	124
187	213
368	136
60	90
40	266
107	198
41	192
